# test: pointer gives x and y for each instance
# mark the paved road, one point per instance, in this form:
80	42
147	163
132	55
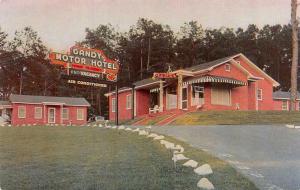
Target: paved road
268	155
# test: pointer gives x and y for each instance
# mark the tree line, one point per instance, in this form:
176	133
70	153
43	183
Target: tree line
146	47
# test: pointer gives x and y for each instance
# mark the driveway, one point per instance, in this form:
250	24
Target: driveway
268	154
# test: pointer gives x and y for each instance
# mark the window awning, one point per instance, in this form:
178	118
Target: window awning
215	79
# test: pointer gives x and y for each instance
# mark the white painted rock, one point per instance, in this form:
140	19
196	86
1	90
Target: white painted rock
204	183
114	127
128	129
178	157
121	127
160	137
205	169
297	126
169	145
152	135
164	142
191	163
148	127
136	130
143	132
100	125
178	148
290	126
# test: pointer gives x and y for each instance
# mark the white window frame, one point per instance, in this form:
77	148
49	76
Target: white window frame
68	115
227	67
113	104
35	113
259	94
77	114
129	102
287	105
19	116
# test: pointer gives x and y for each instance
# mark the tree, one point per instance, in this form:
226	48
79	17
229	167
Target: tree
189	45
294	68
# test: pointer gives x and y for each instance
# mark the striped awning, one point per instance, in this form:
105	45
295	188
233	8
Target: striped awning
154	90
215	79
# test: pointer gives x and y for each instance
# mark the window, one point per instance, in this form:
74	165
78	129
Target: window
38	113
21	112
113	105
128	101
80	114
259	94
197	95
285	105
227	67
220	96
65	113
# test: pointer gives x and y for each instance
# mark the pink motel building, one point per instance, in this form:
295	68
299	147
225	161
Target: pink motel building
230	83
26	109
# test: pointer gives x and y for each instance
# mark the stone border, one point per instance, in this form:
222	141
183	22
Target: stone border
177	152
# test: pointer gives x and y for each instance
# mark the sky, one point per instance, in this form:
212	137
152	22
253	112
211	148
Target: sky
60	23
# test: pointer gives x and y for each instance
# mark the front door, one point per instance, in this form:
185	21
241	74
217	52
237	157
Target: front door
51	115
184	98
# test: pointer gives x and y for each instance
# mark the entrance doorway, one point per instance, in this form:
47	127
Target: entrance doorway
51	115
184	98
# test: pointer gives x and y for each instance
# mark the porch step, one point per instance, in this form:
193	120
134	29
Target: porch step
142	121
168	120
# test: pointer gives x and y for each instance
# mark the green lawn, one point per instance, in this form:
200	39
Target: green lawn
96	158
237	117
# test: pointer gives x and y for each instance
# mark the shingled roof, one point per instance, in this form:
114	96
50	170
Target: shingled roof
145	81
208	65
70	101
283	95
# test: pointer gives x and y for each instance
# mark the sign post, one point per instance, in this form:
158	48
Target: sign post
88	67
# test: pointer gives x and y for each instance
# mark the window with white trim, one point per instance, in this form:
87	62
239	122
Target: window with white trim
285	105
21	112
65	113
227	67
128	101
113	105
80	114
259	94
38	113
220	96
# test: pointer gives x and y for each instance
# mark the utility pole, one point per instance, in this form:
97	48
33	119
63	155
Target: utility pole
141	59
294	68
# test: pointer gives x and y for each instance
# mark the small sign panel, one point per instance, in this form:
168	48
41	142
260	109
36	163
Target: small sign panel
86	83
164	75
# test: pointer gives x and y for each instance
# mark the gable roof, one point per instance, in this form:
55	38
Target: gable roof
145	82
208	65
123	89
283	95
70	101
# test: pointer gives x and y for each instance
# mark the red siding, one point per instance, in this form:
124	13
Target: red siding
142	102
142	105
124	113
30	109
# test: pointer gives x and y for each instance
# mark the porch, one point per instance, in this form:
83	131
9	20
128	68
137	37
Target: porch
192	93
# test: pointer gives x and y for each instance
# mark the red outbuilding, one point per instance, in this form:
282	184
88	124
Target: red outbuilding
230	83
26	109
